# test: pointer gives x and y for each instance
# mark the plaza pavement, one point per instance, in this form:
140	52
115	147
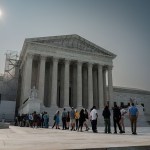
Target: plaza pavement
25	138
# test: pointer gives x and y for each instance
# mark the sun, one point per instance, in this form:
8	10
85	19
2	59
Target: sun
0	12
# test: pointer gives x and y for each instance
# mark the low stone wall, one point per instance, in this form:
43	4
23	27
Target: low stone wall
139	96
7	110
4	125
125	94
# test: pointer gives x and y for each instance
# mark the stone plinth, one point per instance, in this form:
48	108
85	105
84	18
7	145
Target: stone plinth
4	125
30	106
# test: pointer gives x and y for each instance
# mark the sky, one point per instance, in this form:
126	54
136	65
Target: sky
120	26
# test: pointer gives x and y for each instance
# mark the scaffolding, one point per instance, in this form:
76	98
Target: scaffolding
10	78
11	65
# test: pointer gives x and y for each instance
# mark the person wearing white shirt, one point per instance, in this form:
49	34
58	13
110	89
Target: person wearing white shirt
94	116
123	112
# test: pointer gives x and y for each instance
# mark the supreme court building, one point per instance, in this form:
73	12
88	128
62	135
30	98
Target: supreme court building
66	71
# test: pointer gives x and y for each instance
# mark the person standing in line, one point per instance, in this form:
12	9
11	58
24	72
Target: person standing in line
94	116
90	118
57	120
35	119
42	119
54	118
116	118
106	114
46	120
133	115
68	120
86	119
64	117
123	112
81	120
72	119
77	119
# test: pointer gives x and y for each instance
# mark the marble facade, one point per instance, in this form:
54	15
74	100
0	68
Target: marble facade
66	71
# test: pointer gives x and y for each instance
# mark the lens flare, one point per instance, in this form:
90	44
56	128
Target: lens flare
0	12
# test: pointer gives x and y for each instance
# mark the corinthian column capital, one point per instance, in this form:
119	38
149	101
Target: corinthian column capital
110	67
100	66
42	57
67	61
29	55
90	65
79	63
55	59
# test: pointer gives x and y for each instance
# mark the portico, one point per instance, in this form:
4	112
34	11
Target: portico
66	71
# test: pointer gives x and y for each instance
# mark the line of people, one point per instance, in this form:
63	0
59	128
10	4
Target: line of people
118	118
75	120
80	119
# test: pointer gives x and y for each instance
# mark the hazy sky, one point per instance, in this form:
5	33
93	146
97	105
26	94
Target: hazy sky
120	26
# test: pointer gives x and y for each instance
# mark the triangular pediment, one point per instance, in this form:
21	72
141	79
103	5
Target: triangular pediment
72	42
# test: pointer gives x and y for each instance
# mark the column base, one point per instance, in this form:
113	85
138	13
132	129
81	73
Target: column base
67	107
4	125
79	108
54	107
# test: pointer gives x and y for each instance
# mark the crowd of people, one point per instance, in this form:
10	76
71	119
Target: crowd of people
75	121
33	120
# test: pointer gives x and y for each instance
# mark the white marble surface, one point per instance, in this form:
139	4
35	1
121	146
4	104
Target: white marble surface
23	138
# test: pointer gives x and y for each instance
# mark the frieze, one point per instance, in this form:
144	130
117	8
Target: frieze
62	53
55	49
49	50
73	43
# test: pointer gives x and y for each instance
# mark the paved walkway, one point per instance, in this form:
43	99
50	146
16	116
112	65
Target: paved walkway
24	138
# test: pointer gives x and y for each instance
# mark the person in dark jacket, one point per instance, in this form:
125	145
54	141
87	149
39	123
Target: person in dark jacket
81	119
116	118
106	114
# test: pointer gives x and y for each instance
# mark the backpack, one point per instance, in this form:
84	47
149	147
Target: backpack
54	117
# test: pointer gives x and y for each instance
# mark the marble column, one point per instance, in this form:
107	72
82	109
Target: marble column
90	86
110	86
48	87
54	82
27	77
74	86
61	78
22	87
104	86
42	79
79	84
100	86
95	87
66	83
85	87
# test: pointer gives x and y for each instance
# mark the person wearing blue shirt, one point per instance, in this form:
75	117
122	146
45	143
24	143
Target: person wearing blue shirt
133	115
